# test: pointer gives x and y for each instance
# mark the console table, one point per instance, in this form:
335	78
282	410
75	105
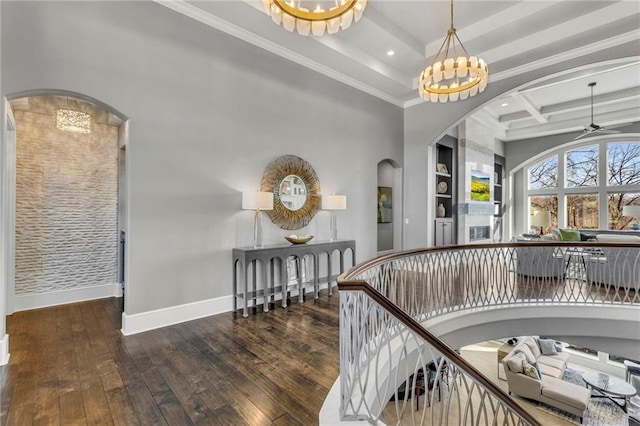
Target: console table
268	256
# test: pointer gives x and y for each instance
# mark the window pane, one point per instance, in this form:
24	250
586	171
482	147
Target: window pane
582	211
623	164
549	203
582	167
544	174
616	203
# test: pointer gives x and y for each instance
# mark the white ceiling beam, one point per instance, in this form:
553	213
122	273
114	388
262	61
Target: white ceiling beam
510	15
530	106
613	99
576	124
603	99
572	76
572	27
551	60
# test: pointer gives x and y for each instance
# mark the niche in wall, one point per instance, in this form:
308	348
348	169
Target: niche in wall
66	198
385	226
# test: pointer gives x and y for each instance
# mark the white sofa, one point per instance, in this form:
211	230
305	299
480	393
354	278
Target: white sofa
550	388
540	262
618	267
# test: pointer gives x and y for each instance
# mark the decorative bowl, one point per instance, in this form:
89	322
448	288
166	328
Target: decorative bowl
300	239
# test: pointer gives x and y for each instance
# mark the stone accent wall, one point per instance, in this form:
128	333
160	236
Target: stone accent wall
66	206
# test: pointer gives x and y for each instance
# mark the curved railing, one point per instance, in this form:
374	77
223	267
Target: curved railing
389	360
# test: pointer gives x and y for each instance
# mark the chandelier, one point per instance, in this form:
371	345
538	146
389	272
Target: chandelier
292	15
73	121
451	77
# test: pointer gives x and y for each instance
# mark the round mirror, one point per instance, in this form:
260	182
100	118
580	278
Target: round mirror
293	192
296	191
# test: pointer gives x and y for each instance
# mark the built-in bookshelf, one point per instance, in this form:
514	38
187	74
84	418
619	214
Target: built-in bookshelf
498	179
445	191
498	192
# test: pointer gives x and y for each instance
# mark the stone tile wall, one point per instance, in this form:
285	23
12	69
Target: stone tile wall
66	206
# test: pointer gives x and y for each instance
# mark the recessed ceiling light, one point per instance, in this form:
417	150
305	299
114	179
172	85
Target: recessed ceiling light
390	53
505	104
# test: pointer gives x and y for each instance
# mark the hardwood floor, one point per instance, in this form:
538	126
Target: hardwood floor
71	365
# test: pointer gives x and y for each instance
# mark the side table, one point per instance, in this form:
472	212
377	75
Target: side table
245	259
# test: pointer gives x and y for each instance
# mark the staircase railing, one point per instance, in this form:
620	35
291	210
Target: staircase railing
390	361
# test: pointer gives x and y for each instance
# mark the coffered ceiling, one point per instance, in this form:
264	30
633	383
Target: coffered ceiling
512	36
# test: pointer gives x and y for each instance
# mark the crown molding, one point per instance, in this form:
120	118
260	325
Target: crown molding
213	21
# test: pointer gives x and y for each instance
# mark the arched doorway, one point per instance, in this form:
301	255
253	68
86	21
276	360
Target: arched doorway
64	189
389	197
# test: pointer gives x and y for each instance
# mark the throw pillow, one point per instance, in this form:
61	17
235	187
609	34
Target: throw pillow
556	234
527	353
532	343
530	370
558	347
515	363
547	346
570	234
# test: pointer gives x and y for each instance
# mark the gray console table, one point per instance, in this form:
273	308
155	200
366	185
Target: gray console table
245	257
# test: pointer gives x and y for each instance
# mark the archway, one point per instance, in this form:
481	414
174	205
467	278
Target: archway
389	198
65	230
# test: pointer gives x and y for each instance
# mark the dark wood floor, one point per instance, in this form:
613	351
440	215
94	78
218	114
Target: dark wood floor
71	365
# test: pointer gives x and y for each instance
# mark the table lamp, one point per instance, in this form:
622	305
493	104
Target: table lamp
633	211
541	218
334	202
257	201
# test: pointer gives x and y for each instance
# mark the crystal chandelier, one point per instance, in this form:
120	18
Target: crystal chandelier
292	15
72	121
454	77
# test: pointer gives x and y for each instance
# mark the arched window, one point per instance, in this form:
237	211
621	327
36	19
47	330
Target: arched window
587	187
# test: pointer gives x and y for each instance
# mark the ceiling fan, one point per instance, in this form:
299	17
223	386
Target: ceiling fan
594	128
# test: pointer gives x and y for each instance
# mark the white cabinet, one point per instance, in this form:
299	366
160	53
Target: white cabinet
444	232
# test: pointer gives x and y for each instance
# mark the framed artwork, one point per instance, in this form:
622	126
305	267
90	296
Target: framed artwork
442	168
385	206
480	189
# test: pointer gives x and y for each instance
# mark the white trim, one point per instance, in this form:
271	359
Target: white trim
43	300
4	350
150	320
213	21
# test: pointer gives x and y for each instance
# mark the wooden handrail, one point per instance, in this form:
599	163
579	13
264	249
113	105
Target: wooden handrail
440	346
376	261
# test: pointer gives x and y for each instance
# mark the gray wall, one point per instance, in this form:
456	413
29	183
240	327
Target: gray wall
425	123
208	112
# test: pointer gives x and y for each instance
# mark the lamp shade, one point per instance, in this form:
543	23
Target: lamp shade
334	202
257	200
631	211
541	218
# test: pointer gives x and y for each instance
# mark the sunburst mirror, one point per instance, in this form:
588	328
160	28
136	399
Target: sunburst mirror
296	191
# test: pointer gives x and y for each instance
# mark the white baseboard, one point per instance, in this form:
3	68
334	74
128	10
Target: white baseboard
62	297
4	350
145	321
